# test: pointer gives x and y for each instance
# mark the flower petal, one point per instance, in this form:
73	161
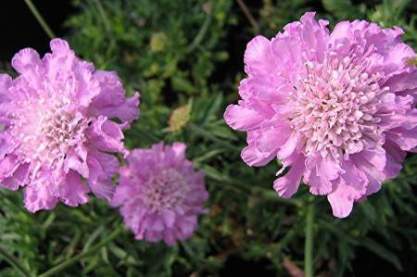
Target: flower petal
73	191
287	185
242	118
111	101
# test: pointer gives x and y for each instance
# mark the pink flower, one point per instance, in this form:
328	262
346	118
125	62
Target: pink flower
160	194
337	108
58	129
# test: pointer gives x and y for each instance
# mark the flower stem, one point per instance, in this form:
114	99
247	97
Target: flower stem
94	249
248	15
200	35
14	263
308	250
40	19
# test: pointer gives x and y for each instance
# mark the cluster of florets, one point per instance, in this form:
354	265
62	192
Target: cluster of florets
160	194
336	108
61	139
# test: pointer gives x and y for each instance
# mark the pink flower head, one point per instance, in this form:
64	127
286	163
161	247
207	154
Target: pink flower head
58	127
160	194
336	108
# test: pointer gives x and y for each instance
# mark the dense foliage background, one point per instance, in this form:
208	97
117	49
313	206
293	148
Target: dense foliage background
186	59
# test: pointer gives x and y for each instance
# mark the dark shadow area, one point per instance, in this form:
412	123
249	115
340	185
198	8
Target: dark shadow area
237	266
20	28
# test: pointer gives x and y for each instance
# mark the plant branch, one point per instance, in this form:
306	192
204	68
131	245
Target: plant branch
200	35
103	16
14	263
78	257
200	131
248	188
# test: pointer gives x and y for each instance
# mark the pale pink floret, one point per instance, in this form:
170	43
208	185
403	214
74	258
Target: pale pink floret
62	120
336	108
160	194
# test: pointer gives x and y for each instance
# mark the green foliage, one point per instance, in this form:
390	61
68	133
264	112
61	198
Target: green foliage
186	56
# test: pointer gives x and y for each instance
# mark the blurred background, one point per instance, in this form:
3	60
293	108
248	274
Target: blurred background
186	59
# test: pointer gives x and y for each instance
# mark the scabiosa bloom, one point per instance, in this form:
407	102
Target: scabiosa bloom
61	121
336	108
160	194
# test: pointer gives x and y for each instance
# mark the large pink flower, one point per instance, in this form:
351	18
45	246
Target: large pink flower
59	127
336	108
160	194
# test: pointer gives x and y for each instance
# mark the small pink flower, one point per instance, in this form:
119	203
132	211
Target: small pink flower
160	194
58	129
336	108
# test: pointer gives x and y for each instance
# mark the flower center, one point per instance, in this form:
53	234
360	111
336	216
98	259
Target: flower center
46	129
166	190
335	107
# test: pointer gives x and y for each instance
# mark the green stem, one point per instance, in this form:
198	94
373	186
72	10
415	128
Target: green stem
308	251
78	257
14	263
40	19
103	15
